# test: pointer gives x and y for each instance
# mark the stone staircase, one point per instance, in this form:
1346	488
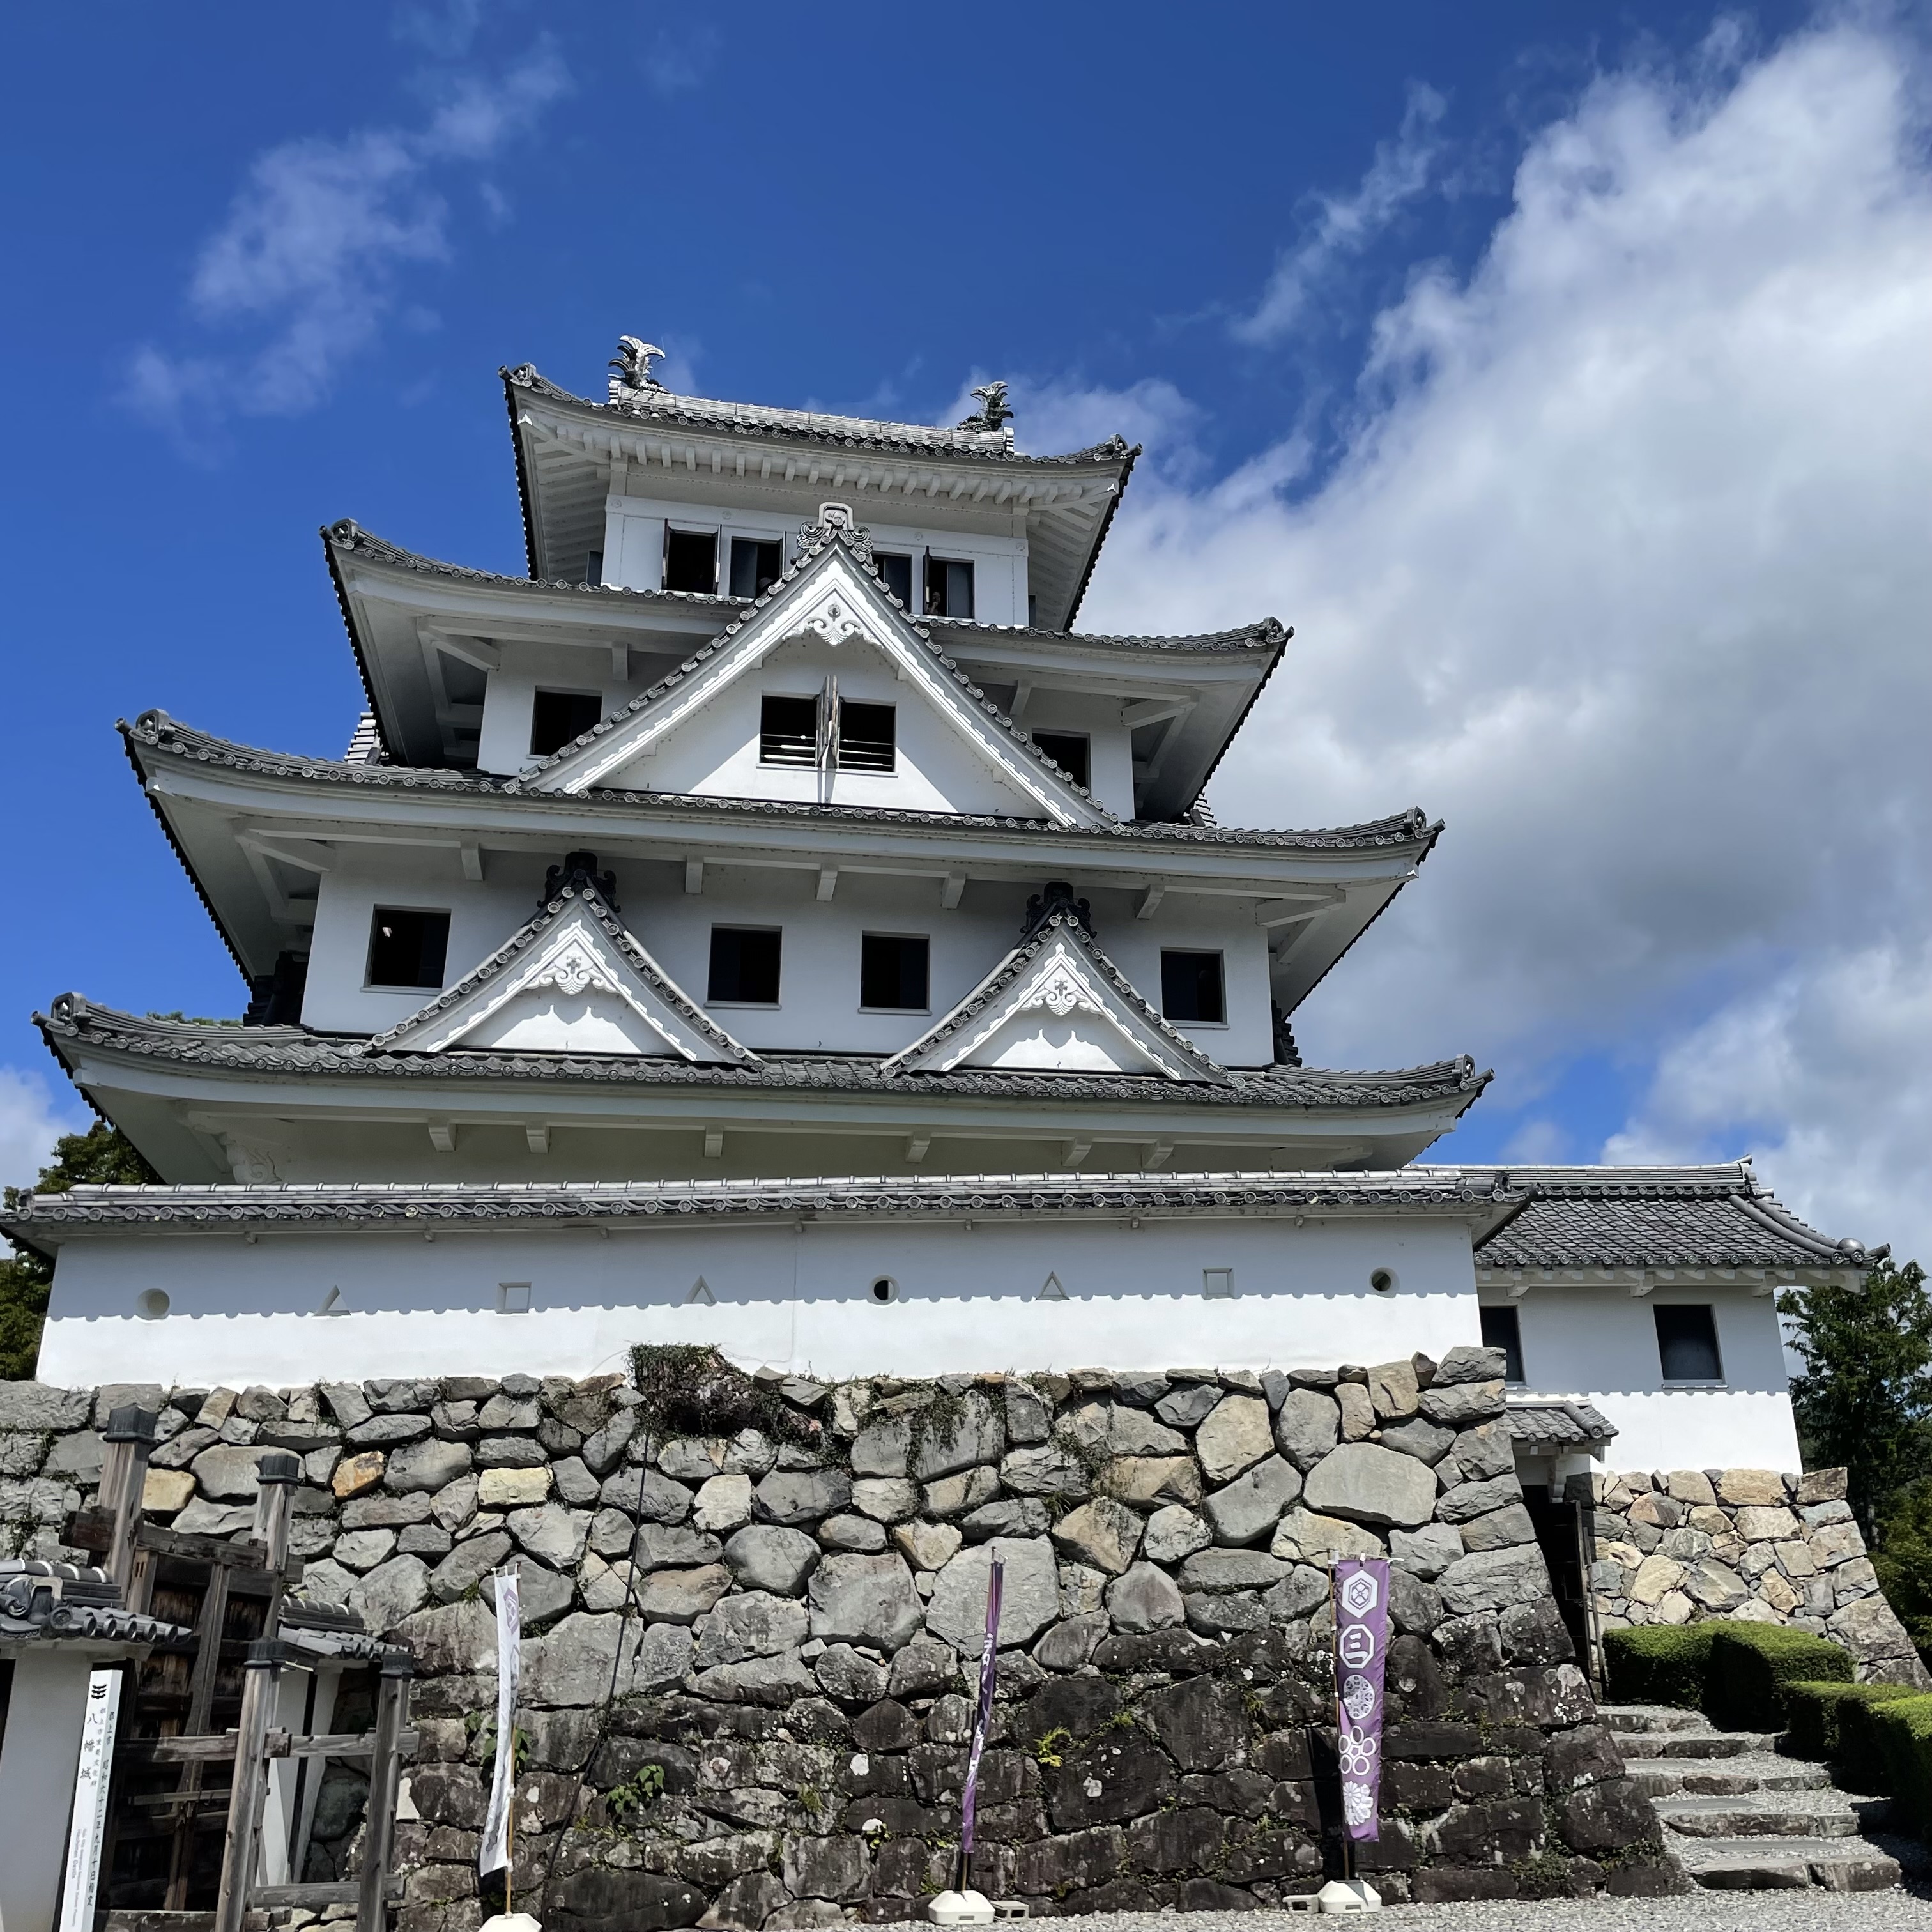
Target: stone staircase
1738	1817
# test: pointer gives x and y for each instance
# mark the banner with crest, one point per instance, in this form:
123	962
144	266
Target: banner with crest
1361	1586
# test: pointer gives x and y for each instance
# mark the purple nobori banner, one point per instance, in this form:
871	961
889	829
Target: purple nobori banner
995	1579
1361	1588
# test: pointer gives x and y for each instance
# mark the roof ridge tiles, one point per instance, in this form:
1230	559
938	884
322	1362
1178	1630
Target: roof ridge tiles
815	426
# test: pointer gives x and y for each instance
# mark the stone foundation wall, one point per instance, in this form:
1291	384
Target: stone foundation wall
1674	1546
748	1676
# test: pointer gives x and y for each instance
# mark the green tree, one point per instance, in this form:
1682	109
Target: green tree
102	1154
1864	1399
1904	1561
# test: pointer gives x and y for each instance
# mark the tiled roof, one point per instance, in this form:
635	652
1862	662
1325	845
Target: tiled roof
1712	1217
349	537
1556	1424
416	1203
760	421
71	1601
294	1051
157	730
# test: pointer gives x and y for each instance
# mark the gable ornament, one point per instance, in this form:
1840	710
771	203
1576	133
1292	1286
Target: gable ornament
632	366
994	411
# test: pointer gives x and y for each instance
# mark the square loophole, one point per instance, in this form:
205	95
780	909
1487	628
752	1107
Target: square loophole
513	1298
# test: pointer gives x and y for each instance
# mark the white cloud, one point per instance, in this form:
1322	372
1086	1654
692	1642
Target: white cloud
308	260
678	63
1342	226
31	1119
1624	572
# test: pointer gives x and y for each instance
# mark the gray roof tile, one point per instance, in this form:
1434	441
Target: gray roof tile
1556	1424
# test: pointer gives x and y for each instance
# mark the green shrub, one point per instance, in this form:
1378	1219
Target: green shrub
1902	1729
1813	1715
1658	1663
1860	1765
1751	1664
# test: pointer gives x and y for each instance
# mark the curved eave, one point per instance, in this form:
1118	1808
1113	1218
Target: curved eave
128	745
1396	839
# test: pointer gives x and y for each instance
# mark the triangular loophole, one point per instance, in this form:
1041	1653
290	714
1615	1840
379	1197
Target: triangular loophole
1050	1290
701	1295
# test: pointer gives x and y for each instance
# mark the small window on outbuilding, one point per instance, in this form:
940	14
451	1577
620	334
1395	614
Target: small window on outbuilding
895	567
1687	1343
788	730
407	947
744	965
557	717
893	971
1503	1329
691	561
1071	750
1191	989
949	587
756	565
866	737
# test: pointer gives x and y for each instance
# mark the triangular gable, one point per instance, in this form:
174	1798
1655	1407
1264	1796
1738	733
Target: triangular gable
830	590
571	981
1056	1004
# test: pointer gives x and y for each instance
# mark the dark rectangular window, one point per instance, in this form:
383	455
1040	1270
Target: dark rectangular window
1686	1344
788	731
949	588
559	716
745	965
756	566
1190	988
892	971
593	568
691	561
1502	1330
1068	750
865	736
406	947
896	569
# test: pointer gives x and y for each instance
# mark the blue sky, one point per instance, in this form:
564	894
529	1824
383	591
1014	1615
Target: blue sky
1550	369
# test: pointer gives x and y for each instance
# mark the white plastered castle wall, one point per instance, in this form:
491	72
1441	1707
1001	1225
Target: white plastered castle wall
1599	1345
633	543
792	1295
819	994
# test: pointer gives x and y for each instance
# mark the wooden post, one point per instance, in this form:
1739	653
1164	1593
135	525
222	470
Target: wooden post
392	1711
276	1476
240	1851
130	1440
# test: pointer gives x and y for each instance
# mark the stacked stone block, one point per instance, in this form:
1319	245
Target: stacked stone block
1675	1546
751	1658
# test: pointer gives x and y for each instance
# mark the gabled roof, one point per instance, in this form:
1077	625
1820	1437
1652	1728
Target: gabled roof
566	446
575	946
1058	971
832	588
1715	1218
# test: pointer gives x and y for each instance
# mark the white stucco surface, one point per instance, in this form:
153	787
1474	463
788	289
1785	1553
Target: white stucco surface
967	1299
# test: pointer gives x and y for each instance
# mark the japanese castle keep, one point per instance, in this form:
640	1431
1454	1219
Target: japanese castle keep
772	923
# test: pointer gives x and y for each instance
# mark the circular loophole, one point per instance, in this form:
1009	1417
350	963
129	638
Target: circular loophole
151	1303
1382	1280
885	1289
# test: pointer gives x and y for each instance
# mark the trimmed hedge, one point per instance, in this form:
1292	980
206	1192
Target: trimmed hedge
1658	1663
1815	1715
1751	1665
1902	1728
